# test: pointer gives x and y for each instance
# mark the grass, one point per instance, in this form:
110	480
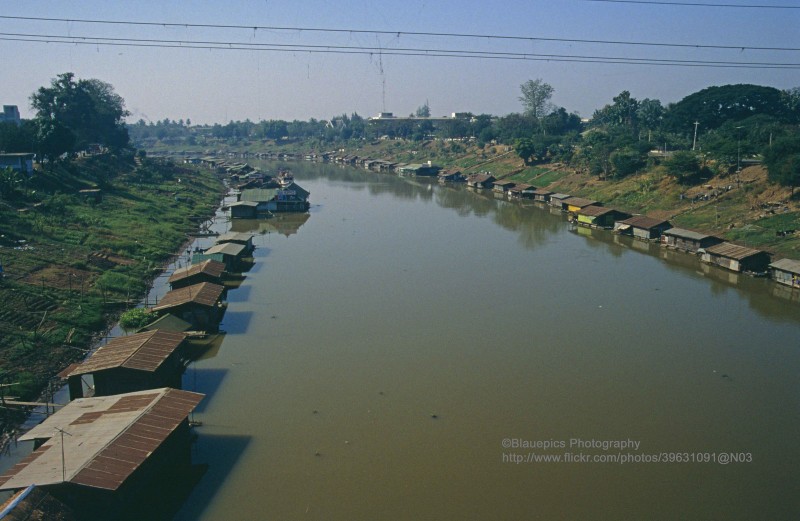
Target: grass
69	259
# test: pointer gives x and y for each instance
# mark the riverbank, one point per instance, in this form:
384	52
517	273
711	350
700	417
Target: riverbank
744	208
78	244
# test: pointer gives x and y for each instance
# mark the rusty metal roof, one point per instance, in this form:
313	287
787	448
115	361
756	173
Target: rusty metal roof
204	294
142	351
105	439
733	251
210	267
645	222
594	211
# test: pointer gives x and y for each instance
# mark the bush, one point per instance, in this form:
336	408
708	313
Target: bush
135	318
684	165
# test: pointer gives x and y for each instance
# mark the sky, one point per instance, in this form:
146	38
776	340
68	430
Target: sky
283	80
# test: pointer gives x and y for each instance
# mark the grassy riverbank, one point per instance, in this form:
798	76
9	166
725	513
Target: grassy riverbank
746	209
73	260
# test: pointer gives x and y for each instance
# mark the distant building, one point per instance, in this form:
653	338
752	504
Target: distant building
10	115
22	162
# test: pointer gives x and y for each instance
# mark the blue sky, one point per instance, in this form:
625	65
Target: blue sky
213	85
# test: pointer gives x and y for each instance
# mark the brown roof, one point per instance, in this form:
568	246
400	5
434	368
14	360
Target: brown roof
595	211
227	248
205	294
210	267
732	251
580	202
142	351
643	221
107	439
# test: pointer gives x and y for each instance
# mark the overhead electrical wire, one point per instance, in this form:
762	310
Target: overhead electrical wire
401	33
697	4
383	51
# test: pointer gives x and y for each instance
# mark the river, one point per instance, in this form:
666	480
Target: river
392	351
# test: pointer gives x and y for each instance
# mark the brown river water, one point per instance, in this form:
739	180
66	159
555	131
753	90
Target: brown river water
411	351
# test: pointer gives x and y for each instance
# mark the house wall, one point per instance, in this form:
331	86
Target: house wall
786	278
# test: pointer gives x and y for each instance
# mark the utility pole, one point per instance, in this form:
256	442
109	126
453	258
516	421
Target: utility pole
63	459
694	141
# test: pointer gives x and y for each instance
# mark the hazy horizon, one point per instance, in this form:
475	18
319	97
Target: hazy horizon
320	59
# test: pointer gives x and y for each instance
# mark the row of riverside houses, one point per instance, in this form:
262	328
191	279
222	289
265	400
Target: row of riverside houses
121	448
585	212
711	249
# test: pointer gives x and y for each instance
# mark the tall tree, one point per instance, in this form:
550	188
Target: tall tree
535	97
89	109
714	106
424	111
783	161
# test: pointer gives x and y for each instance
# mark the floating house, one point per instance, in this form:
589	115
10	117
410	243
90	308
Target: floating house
600	217
736	258
420	170
244	210
522	191
229	254
131	363
786	272
503	186
557	200
243	238
480	181
291	198
199	304
207	271
575	204
642	227
452	176
542	195
107	456
688	240
34	504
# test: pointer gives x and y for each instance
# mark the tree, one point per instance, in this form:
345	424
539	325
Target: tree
526	149
626	161
783	161
54	139
89	109
714	106
535	97
424	111
684	164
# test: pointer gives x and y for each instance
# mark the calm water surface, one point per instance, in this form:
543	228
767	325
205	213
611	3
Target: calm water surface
396	300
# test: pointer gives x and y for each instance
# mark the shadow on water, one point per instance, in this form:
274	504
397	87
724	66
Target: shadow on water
206	381
236	322
242	294
219	453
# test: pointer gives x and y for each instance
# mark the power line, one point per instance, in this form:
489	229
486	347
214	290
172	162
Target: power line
403	33
430	53
697	4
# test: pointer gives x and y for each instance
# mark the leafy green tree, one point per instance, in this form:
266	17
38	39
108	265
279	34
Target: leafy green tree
683	164
89	109
53	138
535	97
626	161
714	106
782	160
526	149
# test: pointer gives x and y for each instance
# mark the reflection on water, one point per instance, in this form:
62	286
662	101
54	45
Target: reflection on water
407	329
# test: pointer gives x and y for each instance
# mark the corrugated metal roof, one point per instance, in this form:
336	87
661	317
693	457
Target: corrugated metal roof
593	211
645	222
558	195
204	294
141	351
210	267
259	195
105	439
732	251
686	234
228	248
790	265
238	237
580	201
